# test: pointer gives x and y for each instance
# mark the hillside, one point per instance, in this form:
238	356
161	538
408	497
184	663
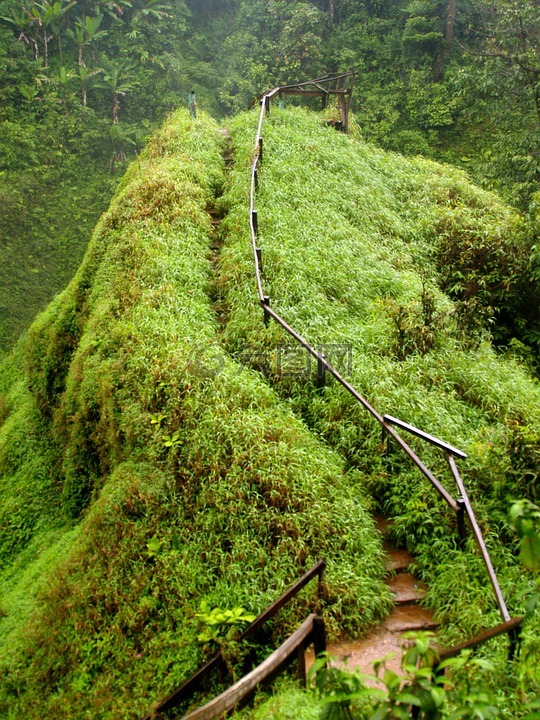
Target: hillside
152	458
139	533
84	84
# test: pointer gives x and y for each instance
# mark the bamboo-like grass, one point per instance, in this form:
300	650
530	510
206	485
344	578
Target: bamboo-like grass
352	240
171	482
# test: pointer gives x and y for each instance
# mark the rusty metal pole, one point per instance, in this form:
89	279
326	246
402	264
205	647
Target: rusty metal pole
321	371
462	527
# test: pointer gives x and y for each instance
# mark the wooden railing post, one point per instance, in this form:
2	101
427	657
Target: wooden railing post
515	639
461	525
384	441
265	302
319	636
320	586
302	675
321	371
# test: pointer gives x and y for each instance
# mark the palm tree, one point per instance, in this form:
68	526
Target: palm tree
84	74
86	32
50	15
23	23
58	11
119	80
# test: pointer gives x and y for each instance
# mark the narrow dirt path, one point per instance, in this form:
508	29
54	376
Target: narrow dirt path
407	615
217	240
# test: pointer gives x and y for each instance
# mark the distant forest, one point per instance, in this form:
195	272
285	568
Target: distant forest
82	84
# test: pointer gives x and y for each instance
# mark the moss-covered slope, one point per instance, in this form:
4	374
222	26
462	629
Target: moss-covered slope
358	247
139	477
147	465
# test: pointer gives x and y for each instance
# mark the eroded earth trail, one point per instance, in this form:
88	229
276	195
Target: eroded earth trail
408	615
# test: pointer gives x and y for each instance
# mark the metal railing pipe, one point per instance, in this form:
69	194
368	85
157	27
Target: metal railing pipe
479	539
321	360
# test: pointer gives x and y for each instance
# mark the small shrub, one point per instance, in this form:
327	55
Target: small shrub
4	409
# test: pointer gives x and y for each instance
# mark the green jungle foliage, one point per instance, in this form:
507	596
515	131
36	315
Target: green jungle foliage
154	452
145	471
83	83
355	247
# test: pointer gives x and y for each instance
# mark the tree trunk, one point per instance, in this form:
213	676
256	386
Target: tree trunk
535	86
45	48
116	107
448	38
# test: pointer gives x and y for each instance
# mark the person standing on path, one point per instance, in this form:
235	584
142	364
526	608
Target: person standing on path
192	105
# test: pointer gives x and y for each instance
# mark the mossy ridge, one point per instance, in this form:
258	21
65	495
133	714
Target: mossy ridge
242	502
348	234
30	520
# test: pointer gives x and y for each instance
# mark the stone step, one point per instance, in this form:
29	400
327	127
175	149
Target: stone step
410	617
382	524
406	588
399	559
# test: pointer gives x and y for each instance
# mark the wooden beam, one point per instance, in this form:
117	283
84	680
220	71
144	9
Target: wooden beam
424	436
481	638
273	664
196	682
288	595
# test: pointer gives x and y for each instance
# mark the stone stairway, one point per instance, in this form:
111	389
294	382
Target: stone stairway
407	615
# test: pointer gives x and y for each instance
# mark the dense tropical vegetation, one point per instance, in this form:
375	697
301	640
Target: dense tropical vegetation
148	465
163	485
162	477
83	83
369	268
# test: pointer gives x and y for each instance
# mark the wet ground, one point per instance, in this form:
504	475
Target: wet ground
407	615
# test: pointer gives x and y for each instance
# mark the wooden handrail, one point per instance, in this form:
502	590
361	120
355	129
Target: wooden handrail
269	94
264	301
323	362
317	570
477	533
425	436
460	505
311	631
505	627
196	682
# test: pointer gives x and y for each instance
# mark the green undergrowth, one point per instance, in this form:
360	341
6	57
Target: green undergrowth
287	701
144	470
48	216
356	256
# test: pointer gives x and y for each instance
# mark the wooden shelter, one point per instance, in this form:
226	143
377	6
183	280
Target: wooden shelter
338	84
